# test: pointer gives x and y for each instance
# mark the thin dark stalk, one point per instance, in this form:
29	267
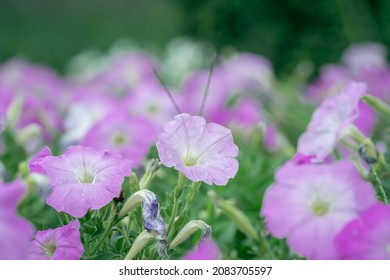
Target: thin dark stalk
166	90
207	85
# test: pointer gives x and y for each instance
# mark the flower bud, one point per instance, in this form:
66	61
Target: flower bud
142	241
14	111
236	215
239	218
31	131
151	169
150	212
368	151
188	230
134	201
133	182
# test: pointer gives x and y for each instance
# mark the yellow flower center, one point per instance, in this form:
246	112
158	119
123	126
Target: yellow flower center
86	176
189	160
50	248
119	139
320	207
152	108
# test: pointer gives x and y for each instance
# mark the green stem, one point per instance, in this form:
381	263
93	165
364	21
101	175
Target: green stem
380	186
181	181
191	195
264	242
359	166
350	146
356	134
112	221
60	219
174	212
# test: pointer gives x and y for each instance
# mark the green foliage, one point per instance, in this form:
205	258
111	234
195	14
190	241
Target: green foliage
13	153
285	31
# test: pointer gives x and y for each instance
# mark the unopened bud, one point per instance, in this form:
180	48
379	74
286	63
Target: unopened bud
14	111
29	132
189	229
368	151
142	241
133	182
151	169
134	201
150	212
236	215
239	218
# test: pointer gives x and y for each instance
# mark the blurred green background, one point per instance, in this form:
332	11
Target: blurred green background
286	31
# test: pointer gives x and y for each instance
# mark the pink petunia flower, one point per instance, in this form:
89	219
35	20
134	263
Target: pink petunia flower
43	91
303	159
84	178
123	134
333	79
330	122
225	104
367	237
365	62
34	164
249	71
15	231
150	100
207	250
61	243
124	72
202	152
309	204
89	105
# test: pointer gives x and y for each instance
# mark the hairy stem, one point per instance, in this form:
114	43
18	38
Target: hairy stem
380	186
112	221
176	195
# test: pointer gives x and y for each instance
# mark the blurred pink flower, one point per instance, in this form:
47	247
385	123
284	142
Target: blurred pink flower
34	164
123	134
330	122
84	178
309	204
271	138
332	80
365	56
61	243
303	159
226	104
15	231
202	152
124	72
151	101
207	250
218	94
367	237
43	92
88	106
378	83
249	72
365	62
